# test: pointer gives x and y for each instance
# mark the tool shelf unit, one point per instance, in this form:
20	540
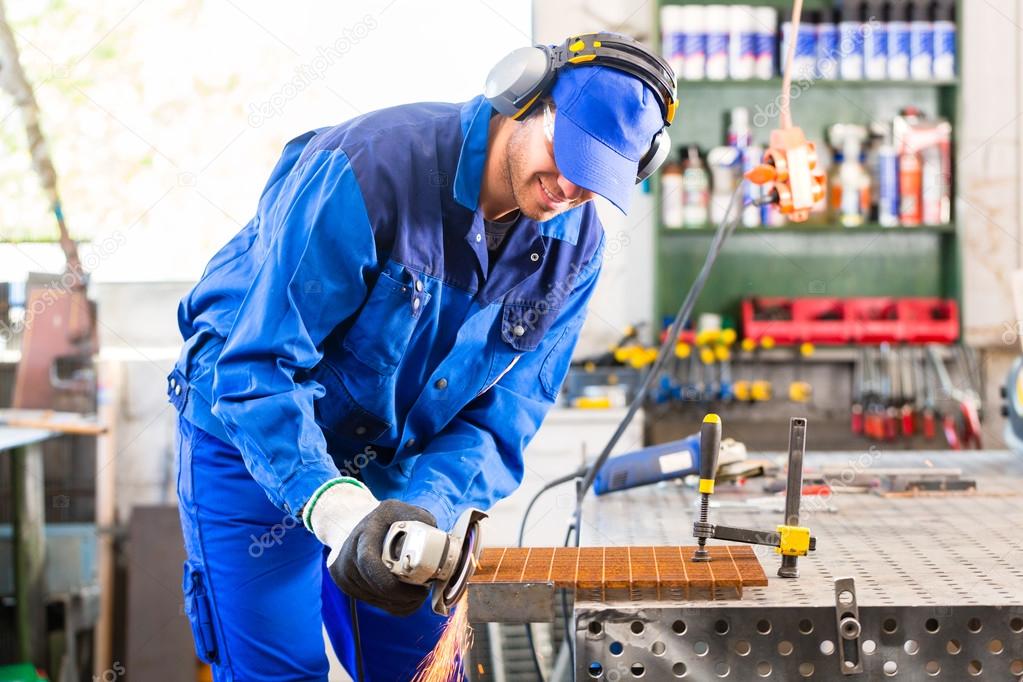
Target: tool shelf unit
797	260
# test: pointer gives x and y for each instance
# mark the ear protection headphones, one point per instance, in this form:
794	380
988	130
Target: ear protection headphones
516	84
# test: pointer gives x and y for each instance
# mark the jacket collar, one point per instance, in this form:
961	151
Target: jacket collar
475	120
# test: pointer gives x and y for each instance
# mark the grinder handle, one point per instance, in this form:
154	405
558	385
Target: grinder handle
710	447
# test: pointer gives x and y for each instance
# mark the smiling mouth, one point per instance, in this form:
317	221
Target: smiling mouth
552	200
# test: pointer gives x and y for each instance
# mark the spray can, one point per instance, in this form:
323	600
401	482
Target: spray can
855	184
742	43
898	40
672	34
932	186
910	185
827	44
724	165
944	64
717	42
694	42
804	62
751	157
672	195
850	31
695	189
921	41
739	133
875	42
887	183
766	25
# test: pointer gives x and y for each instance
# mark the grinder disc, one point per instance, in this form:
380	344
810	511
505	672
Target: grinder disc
464	569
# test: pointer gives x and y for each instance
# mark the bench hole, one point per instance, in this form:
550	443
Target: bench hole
891	668
827	647
657	648
995	646
932	625
974	625
595	628
595	670
911	646
806	669
742	647
764	626
953	646
616	648
974	668
721	627
721	669
637	670
637	627
678	627
869	646
679	669
764	669
785	647
932	668
890	625
806	626
701	648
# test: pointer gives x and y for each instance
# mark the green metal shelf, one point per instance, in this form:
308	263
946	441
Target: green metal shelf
822	82
815	230
822	260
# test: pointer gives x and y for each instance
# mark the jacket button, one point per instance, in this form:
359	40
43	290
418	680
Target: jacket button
441	384
479	238
360	430
173	382
177	390
415	303
534	257
419	285
410	442
518	330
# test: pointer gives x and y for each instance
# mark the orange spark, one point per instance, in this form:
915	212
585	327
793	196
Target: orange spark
447	660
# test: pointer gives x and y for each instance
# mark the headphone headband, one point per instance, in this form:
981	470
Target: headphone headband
624	54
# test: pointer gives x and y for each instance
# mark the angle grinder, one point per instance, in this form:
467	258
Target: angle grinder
421	554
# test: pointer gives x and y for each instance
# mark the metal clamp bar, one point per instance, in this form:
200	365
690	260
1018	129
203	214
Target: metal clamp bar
847	619
794	489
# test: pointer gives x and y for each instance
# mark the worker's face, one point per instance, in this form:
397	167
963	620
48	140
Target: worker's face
539	188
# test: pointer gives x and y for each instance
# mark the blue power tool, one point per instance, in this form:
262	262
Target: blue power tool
650	465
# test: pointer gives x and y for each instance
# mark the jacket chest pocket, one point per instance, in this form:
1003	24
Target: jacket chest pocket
380	335
523	326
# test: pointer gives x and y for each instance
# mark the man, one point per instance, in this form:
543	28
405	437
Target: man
393	324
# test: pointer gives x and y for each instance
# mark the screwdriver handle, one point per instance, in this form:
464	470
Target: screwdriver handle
710	446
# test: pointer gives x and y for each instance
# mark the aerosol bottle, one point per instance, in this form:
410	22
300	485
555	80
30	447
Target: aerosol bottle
945	40
828	53
850	31
725	166
887	182
695	189
898	40
921	41
875	42
672	193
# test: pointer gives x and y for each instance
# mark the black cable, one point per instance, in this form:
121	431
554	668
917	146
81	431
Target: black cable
564	608
360	674
725	228
522	531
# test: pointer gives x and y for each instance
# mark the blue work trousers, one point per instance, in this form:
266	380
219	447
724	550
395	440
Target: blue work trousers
256	588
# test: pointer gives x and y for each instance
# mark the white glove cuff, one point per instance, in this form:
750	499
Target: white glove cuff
336	508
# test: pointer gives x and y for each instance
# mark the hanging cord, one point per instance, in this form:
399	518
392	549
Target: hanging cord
786	81
360	674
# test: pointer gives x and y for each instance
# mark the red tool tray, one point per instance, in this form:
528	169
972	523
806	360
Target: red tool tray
851	320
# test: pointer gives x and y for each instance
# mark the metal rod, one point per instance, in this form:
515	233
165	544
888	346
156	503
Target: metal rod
794	488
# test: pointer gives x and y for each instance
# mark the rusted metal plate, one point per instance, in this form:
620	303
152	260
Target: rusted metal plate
610	574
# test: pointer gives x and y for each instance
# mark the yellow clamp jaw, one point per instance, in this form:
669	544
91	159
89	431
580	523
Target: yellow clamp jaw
795	541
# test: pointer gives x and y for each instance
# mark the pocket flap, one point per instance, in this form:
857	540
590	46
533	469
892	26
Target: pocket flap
523	325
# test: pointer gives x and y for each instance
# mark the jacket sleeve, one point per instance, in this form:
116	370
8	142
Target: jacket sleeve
314	248
477	459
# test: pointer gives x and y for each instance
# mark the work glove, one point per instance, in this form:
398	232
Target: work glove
346	517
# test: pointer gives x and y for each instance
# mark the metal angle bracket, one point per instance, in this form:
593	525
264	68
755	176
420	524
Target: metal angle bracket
847	619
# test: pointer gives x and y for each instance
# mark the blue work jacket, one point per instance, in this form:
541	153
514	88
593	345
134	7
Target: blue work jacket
358	325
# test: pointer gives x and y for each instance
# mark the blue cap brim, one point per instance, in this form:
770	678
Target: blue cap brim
591	164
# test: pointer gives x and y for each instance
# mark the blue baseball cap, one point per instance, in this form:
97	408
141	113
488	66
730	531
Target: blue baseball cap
604	124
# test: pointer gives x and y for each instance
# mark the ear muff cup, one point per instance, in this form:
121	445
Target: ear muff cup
518	79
